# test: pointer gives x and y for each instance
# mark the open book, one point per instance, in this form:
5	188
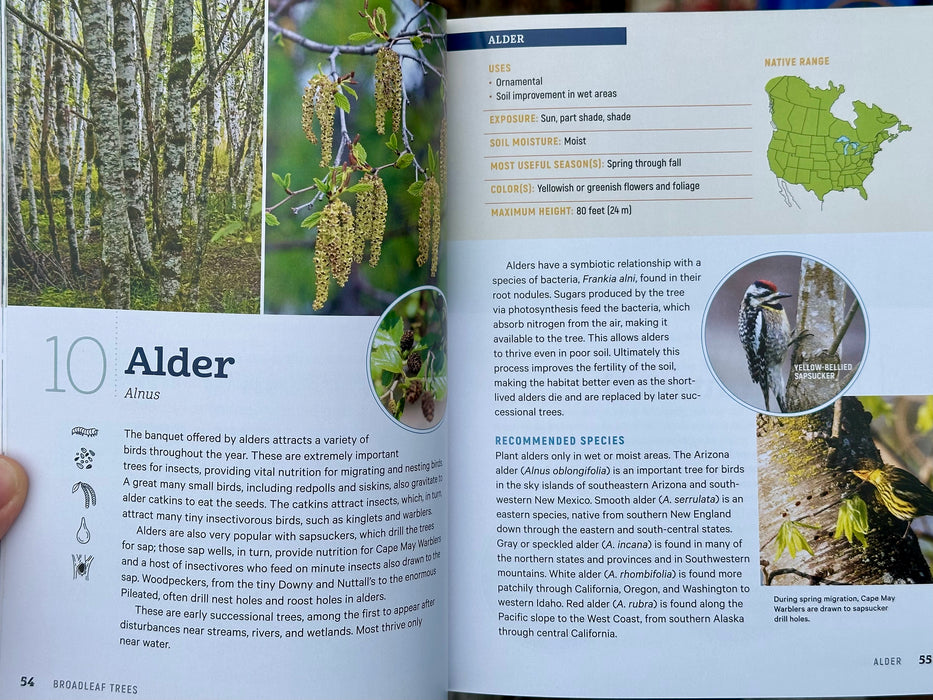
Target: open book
356	354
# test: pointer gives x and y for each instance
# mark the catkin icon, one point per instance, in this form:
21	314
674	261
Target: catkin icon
388	76
333	249
429	224
90	497
318	103
372	207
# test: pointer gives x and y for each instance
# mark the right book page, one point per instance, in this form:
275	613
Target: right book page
690	297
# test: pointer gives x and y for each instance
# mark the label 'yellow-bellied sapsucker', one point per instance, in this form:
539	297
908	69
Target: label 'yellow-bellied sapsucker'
764	332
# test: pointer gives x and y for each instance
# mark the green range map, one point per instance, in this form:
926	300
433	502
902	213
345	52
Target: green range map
812	147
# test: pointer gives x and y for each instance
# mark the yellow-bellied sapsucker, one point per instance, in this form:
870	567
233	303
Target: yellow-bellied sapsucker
764	332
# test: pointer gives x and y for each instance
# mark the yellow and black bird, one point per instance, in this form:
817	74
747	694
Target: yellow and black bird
903	494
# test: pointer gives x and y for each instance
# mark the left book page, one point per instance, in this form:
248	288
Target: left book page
224	350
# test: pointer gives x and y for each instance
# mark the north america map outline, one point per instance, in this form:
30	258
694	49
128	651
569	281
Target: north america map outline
813	148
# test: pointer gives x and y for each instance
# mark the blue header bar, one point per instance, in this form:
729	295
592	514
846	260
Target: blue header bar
520	38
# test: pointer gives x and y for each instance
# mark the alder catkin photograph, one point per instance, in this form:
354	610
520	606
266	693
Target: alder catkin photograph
357	158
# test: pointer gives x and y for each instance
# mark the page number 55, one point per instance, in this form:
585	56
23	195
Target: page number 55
926	659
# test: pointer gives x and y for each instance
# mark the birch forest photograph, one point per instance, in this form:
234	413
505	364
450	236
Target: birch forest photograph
133	153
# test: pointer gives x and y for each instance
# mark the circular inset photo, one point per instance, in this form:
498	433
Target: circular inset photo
784	334
408	359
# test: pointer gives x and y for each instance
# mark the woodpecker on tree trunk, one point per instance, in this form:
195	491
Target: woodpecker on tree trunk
765	334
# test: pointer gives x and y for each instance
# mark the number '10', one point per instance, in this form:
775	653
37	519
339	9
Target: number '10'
68	365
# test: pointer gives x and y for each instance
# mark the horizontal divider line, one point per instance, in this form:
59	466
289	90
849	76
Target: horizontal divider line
590	201
612	131
611	177
525	109
621	153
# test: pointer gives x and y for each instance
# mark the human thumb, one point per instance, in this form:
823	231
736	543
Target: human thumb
13	487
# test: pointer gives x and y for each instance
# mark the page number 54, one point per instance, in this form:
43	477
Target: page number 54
27	681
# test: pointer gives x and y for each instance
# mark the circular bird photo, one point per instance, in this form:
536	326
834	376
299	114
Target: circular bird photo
784	334
408	359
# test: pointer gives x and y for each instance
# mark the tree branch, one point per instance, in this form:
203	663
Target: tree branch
311	45
73	50
845	326
229	60
361	50
813	578
218	40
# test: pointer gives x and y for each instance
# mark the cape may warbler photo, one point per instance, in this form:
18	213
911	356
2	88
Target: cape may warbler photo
902	493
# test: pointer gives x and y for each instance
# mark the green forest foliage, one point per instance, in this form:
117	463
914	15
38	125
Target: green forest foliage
221	236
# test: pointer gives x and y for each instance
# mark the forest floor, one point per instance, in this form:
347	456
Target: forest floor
230	282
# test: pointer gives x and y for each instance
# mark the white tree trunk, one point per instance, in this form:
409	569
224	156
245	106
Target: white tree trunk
124	42
115	278
178	121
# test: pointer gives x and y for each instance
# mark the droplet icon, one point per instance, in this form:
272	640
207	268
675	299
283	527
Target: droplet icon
83	535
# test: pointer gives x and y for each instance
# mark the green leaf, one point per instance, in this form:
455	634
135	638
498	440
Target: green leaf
852	521
417	42
385	356
346	88
432	338
311	221
925	416
432	160
790	538
360	187
404	161
341	101
360	37
226	230
438	387
271	219
439	360
321	185
382	23
280	181
414	189
359	152
394	326
392	143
